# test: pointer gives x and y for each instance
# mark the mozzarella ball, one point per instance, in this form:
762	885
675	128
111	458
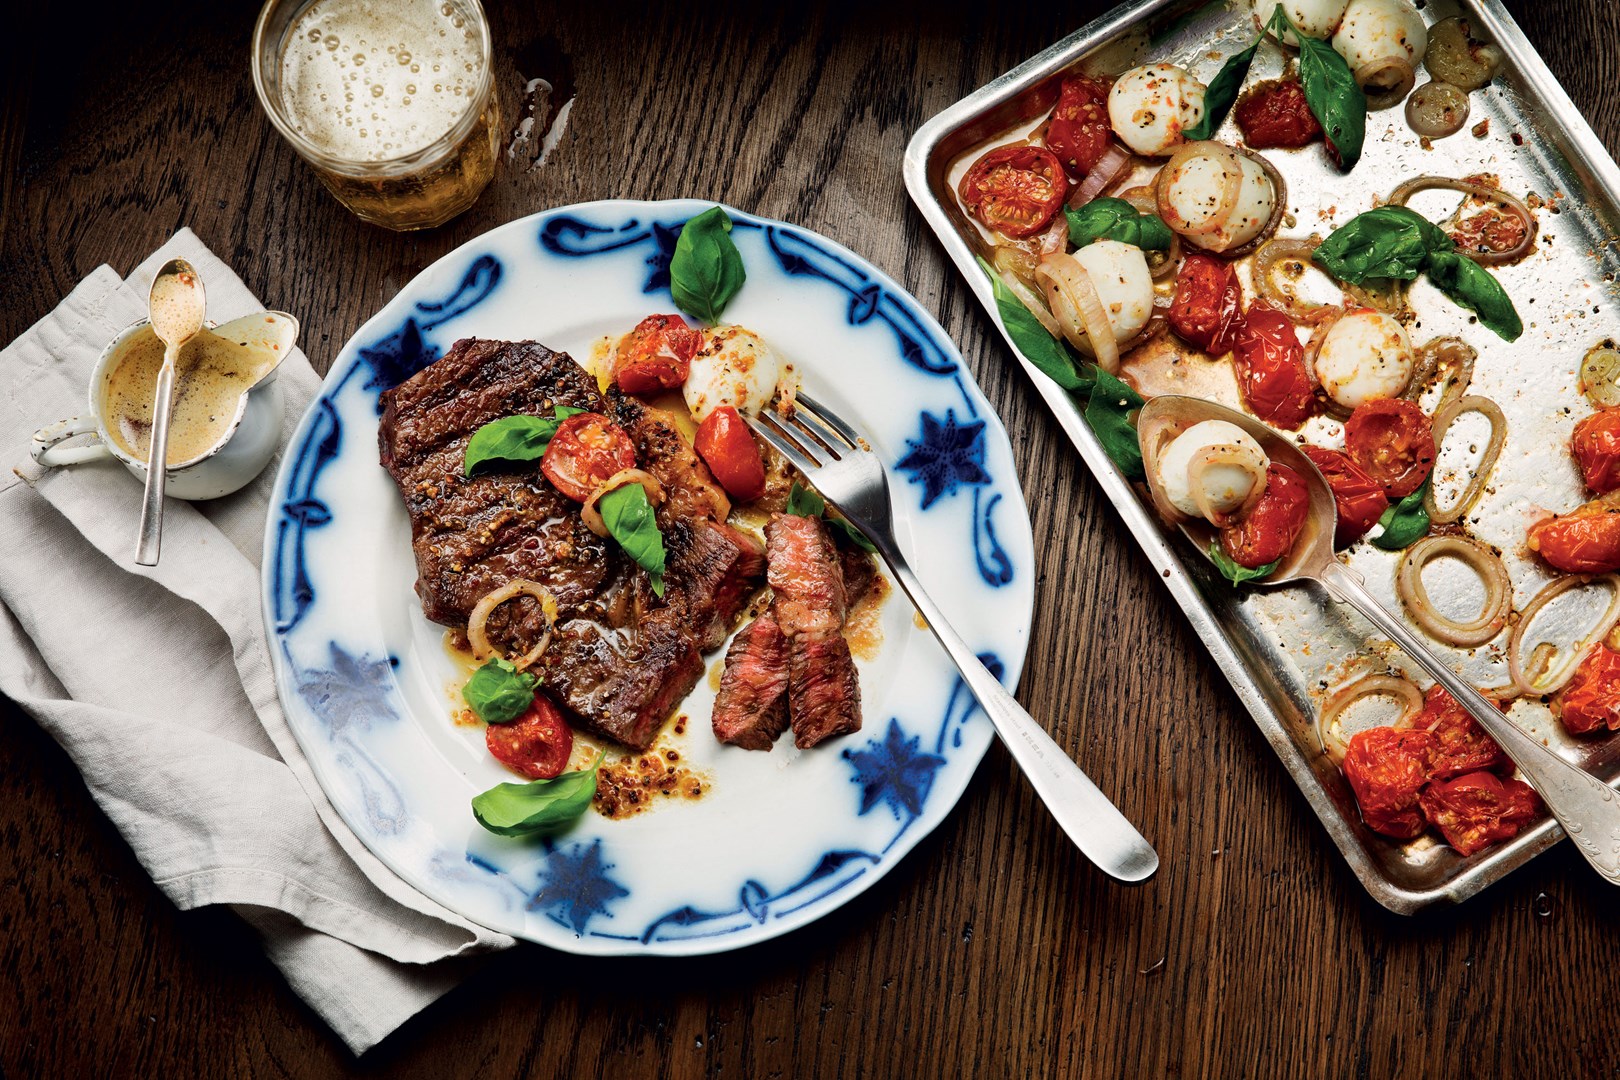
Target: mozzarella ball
1364	356
1379	29
734	367
1194	191
1119	272
1225	487
1150	106
1315	18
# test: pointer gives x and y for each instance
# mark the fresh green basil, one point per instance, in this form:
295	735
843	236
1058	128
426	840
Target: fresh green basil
498	692
629	520
1116	219
1109	413
1404	523
514	438
1233	571
1222	92
1470	285
1331	92
539	807
1040	348
1387	242
806	503
706	270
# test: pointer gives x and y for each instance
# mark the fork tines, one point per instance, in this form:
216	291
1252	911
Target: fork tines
813	436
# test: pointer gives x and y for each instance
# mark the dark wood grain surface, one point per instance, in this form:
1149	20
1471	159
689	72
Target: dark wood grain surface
993	950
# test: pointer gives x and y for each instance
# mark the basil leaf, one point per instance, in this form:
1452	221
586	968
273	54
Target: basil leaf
1404	523
1116	219
1472	286
1388	242
1331	92
1222	92
706	270
1234	571
851	533
538	807
629	520
1109	414
1040	348
498	692
514	438
806	503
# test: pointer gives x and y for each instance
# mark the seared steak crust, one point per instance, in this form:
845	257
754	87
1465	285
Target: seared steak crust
750	710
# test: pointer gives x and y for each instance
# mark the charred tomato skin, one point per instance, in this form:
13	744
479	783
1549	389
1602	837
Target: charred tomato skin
1590	701
1479	809
656	355
1015	190
1463	746
1270	365
1596	447
1275	115
1391	440
1079	132
586	452
727	446
1360	498
1268	531
1387	769
537	744
1208	307
1584	541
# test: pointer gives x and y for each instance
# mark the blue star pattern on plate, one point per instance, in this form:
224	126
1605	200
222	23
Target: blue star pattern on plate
948	453
350	692
893	772
574	885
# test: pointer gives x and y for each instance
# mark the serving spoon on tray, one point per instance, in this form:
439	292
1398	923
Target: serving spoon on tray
1585	806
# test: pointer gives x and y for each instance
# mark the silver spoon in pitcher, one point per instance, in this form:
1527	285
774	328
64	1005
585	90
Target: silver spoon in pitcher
176	306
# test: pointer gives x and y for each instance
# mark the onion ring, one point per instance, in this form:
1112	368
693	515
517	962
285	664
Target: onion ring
1404	192
1266	260
1109	167
1031	300
1600	630
1455	354
1327	722
1155	438
1078	308
1367	74
1232	186
1279	204
649	483
1484	562
1247	458
478	638
1437	110
1449	411
1389	298
1600	375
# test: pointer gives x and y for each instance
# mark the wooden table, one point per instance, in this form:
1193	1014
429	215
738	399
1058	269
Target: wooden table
994	949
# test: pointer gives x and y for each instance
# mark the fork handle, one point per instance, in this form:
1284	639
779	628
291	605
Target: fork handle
1094	823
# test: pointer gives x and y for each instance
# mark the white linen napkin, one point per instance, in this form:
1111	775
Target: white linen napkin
157	682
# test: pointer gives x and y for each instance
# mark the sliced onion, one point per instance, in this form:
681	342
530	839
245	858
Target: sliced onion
1156	437
1457	57
1484	562
1056	236
1454	354
1525	677
1232	186
1109	167
649	483
1274	253
1389	298
1028	296
1600	376
478	637
1327	724
1402	194
1279	205
1372	77
1079	310
1443	417
1436	109
1161	264
1248	458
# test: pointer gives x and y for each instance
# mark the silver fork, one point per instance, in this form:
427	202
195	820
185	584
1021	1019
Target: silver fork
839	463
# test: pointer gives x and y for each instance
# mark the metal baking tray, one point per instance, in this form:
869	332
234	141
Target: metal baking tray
1283	649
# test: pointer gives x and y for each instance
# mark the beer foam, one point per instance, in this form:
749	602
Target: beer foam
369	80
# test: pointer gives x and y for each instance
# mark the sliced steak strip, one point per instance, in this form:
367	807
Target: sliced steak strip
824	692
751	708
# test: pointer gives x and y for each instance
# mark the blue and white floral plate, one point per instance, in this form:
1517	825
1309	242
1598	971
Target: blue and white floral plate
780	838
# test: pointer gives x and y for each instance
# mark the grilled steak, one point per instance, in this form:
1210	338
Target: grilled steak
824	693
620	658
751	708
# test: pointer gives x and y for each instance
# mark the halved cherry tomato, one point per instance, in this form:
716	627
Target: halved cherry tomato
1584	541
586	452
1268	531
1591	700
1596	446
1015	189
537	744
656	355
1208	308
728	448
1387	769
1079	133
1361	499
1464	746
1270	363
1480	809
1274	114
1393	442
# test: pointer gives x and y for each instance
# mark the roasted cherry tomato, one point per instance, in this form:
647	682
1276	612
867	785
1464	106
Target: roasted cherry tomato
1464	746
1387	769
1491	230
1361	499
1275	114
1583	541
586	452
1393	442
727	446
1591	700
1596	446
1268	531
1480	809
1079	133
537	744
1270	363
1208	308
1015	189
656	355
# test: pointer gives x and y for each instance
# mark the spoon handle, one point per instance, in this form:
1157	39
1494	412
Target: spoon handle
1584	805
150	542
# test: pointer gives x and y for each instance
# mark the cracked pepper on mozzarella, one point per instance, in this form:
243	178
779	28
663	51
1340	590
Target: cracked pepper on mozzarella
1364	356
1194	195
1150	106
1314	18
1378	29
734	367
1225	486
1119	272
